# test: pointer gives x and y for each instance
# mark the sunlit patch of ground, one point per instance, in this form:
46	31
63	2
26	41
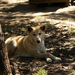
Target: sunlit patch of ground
14	1
59	37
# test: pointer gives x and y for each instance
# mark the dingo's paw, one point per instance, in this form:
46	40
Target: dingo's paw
57	59
48	59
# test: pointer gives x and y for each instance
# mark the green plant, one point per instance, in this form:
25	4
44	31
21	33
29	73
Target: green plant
23	29
49	25
41	72
72	29
70	69
26	34
5	28
70	41
39	17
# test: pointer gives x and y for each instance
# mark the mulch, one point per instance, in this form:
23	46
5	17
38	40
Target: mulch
59	42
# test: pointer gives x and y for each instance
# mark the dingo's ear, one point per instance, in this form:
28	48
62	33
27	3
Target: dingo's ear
43	27
29	28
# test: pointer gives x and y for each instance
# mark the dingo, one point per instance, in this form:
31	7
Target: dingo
31	45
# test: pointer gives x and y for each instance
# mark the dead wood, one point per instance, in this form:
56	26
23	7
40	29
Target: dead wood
5	68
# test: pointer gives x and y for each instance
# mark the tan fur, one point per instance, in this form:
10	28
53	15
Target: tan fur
31	45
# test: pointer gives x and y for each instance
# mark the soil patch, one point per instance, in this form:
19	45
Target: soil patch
59	38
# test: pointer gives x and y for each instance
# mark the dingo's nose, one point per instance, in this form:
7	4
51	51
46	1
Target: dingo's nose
38	41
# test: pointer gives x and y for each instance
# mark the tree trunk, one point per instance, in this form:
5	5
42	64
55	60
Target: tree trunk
5	68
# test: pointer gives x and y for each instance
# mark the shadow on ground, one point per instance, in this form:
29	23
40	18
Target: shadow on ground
15	17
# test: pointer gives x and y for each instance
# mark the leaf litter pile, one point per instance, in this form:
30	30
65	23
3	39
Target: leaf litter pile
59	40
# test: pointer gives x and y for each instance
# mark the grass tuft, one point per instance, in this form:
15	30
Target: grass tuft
5	28
49	25
72	30
41	72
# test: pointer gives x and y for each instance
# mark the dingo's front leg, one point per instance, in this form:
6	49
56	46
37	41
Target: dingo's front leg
48	56
54	57
48	59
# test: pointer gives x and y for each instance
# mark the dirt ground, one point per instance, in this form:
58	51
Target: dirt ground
59	39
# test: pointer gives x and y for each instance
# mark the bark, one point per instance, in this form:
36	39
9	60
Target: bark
5	68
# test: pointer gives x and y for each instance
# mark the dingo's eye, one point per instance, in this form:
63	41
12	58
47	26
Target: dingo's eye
34	34
39	33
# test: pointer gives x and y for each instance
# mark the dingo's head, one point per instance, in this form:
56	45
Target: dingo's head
36	34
